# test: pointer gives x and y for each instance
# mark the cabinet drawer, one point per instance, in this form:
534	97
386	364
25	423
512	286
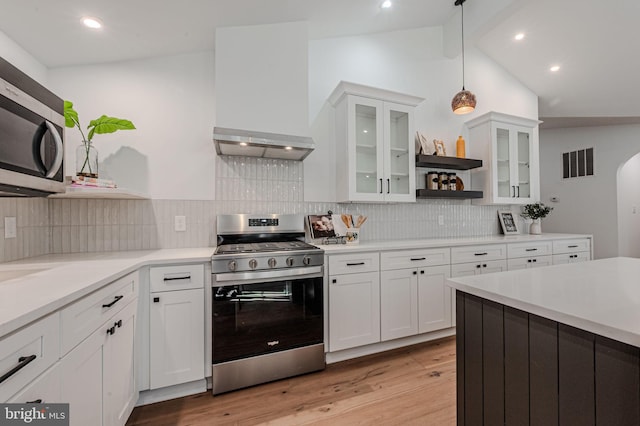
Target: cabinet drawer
178	277
571	246
354	263
27	353
402	259
478	253
541	248
559	259
81	318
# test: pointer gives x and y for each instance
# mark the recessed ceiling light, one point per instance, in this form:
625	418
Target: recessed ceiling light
519	36
365	131
555	68
288	148
386	4
93	23
243	144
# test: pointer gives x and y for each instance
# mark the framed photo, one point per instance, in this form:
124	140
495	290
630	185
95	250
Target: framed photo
439	145
508	222
321	226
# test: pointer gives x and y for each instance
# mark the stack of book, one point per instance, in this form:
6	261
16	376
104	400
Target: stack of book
84	181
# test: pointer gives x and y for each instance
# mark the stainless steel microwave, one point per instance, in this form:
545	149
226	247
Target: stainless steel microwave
31	136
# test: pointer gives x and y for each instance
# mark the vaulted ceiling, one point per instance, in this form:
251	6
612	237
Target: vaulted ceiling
593	41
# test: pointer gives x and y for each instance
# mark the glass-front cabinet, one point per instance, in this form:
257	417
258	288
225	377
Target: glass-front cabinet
374	144
509	149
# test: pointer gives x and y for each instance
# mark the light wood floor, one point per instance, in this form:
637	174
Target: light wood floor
408	386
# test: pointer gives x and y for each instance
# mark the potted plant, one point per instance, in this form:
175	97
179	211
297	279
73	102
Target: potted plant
86	154
535	212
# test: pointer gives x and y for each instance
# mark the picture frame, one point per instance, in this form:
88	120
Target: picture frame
321	226
508	222
440	150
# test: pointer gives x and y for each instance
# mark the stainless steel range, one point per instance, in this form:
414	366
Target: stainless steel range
267	301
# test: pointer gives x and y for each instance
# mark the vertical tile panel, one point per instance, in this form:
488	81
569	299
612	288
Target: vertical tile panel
576	399
516	367
473	360
493	362
543	369
460	357
617	383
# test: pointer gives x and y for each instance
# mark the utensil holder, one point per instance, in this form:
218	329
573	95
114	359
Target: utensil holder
352	235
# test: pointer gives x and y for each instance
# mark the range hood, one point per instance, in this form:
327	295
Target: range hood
261	144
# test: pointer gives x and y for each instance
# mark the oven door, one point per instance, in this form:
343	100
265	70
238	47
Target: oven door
256	313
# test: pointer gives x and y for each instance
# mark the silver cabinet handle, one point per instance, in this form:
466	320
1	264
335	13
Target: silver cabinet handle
57	162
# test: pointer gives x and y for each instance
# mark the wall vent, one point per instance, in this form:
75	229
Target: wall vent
577	163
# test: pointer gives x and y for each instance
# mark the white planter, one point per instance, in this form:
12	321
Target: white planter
536	227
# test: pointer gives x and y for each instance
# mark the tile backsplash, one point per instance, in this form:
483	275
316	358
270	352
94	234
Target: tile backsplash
243	185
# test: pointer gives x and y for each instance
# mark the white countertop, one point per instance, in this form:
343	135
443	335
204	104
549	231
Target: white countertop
34	287
600	296
442	242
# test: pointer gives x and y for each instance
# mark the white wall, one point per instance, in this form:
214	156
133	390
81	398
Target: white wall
410	62
171	102
589	204
629	208
261	78
20	58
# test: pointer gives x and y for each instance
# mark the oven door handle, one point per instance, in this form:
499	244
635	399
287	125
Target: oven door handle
274	275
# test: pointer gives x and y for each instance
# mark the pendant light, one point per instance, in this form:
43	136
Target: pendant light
464	101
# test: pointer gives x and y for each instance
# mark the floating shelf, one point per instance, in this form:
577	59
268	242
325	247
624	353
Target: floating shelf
101	193
460	195
453	163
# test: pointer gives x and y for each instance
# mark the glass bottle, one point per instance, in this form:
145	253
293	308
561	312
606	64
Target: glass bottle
460	148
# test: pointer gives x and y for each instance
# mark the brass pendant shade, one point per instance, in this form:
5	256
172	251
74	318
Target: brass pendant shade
464	101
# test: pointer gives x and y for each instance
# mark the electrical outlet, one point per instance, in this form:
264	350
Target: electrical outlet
441	220
180	223
10	230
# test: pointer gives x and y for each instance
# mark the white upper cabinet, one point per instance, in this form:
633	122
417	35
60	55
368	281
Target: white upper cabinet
374	144
508	146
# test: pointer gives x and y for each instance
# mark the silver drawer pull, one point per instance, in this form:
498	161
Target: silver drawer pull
23	361
356	264
415	259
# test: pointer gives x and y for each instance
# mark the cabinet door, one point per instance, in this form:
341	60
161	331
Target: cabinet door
466	269
177	337
523	154
399	153
398	303
504	183
365	149
513	149
44	389
529	262
354	310
81	380
119	389
559	259
434	299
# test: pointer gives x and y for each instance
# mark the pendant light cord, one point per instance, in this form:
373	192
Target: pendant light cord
462	8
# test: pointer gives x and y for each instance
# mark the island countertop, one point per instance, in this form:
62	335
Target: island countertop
600	296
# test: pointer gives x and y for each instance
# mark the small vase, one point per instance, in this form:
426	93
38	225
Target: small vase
536	227
87	160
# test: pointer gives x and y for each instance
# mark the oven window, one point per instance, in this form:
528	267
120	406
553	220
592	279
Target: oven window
255	319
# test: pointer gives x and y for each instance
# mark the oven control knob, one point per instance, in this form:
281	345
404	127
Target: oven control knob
232	265
289	261
253	264
272	263
306	260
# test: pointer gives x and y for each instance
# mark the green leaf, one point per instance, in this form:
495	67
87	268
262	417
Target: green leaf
107	124
70	114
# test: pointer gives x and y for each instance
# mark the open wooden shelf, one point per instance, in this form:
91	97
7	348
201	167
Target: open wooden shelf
435	193
453	163
102	193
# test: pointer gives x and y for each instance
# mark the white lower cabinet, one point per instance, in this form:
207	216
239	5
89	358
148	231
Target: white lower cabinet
464	269
434	299
176	325
398	303
571	251
529	262
98	375
44	389
177	337
354	310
